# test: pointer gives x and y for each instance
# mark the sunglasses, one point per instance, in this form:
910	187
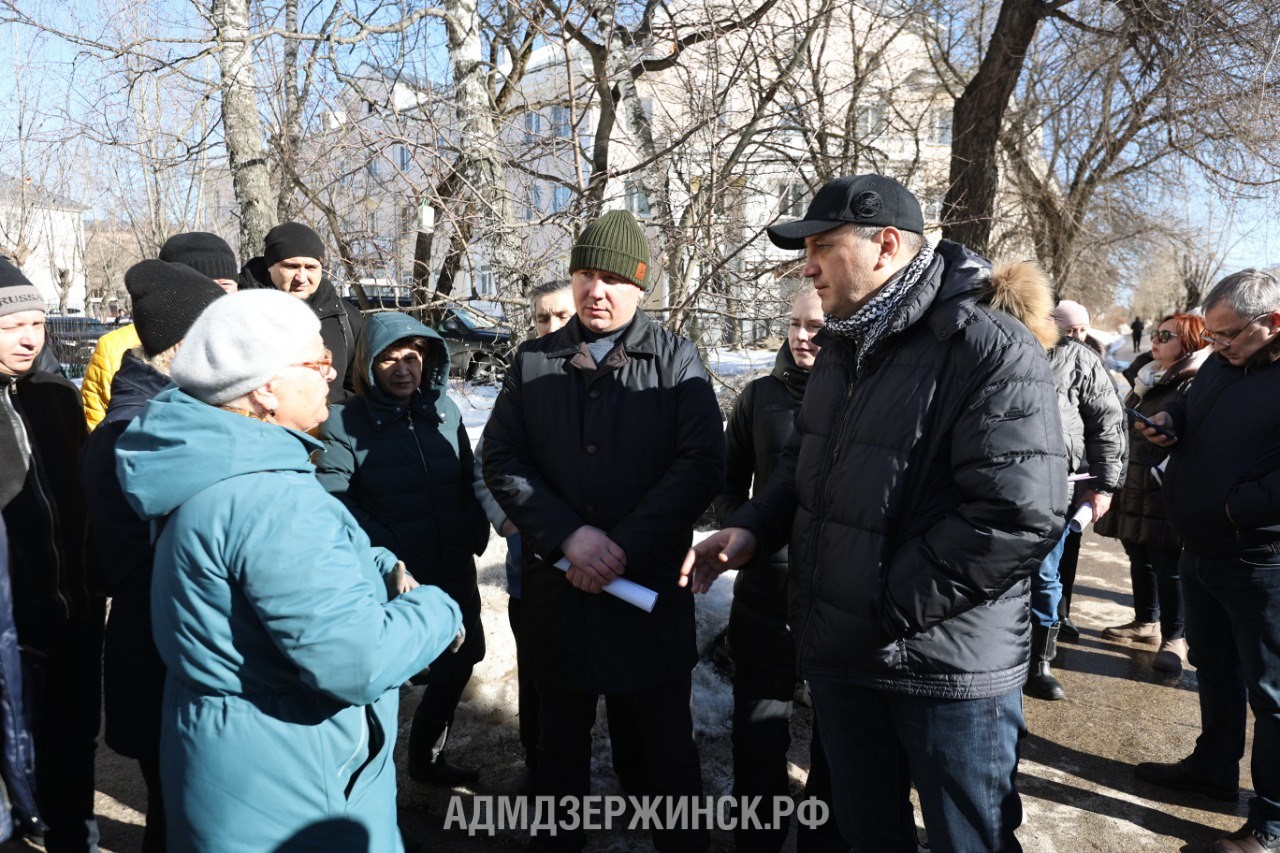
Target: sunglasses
1163	336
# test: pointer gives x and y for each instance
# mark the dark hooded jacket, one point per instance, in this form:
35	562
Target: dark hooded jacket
632	446
405	470
340	324
759	426
920	494
1139	512
1223	478
133	674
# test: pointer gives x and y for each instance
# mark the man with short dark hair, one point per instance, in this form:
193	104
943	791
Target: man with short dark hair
1222	487
925	481
292	261
604	447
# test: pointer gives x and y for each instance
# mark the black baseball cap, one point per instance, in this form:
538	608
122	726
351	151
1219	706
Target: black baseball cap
861	200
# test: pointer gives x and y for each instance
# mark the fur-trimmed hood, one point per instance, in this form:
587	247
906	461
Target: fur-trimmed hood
1021	289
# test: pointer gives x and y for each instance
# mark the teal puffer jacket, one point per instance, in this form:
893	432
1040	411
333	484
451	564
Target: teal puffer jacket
405	470
284	655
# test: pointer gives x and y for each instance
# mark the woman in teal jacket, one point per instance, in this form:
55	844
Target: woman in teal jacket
284	640
397	455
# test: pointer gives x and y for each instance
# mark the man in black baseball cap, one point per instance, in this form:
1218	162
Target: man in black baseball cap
930	478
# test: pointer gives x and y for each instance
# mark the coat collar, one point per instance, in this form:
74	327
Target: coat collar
637	340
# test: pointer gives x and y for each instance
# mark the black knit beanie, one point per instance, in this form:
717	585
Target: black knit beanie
167	299
291	240
16	292
613	243
204	252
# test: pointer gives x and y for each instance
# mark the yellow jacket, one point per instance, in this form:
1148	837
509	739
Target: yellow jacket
95	392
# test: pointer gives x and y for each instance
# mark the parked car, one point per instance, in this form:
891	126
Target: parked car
73	337
478	345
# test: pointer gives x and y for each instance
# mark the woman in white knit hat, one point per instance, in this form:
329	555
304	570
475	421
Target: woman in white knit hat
271	610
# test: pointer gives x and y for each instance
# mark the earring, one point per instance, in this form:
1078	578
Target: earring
271	413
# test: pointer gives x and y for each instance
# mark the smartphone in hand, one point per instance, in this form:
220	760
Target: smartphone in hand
1146	421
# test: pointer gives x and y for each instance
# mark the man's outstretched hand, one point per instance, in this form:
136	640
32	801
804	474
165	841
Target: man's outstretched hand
722	550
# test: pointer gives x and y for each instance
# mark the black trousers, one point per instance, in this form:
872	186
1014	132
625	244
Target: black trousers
763	686
445	681
1067	572
650	730
527	698
63	683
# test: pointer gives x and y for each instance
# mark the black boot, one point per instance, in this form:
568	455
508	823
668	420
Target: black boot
1040	681
1067	629
427	766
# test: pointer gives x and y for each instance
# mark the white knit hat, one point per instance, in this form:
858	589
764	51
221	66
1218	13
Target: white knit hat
240	342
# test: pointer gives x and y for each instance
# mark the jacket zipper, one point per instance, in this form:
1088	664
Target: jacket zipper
21	430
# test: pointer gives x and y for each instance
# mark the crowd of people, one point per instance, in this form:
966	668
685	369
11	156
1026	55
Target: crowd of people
278	497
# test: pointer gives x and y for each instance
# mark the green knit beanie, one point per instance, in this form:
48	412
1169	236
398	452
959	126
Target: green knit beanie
613	243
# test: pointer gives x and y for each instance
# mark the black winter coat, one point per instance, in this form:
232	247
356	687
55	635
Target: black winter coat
53	568
340	324
133	674
760	424
634	448
924	491
1138	511
1223	479
1093	423
404	471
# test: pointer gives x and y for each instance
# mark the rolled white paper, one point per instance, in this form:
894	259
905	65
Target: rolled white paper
629	591
1081	518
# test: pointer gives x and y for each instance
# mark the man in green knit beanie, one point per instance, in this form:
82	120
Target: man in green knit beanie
604	447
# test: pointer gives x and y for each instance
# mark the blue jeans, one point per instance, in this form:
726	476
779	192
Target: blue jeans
962	755
1046	586
1233	629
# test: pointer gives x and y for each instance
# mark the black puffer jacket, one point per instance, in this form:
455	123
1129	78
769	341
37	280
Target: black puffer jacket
760	424
133	674
635	449
53	568
340	324
404	470
1223	479
1138	511
925	491
1093	423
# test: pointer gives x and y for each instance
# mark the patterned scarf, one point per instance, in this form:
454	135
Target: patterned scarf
868	325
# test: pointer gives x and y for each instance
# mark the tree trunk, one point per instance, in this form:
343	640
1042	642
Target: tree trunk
242	126
969	206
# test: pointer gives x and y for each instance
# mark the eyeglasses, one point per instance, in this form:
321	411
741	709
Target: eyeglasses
1163	336
1224	341
324	366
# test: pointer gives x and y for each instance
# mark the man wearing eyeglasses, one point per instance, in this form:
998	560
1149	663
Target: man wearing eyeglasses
1223	491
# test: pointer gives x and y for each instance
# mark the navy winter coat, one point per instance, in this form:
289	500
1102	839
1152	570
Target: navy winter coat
405	470
924	491
133	674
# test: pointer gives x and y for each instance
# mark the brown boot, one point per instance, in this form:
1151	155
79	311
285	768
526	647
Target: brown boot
1172	656
1146	632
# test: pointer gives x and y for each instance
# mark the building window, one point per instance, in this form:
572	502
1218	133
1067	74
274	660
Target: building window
532	126
485	285
373	222
871	120
372	166
637	201
560	198
792	198
532	203
402	157
940	126
560	122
